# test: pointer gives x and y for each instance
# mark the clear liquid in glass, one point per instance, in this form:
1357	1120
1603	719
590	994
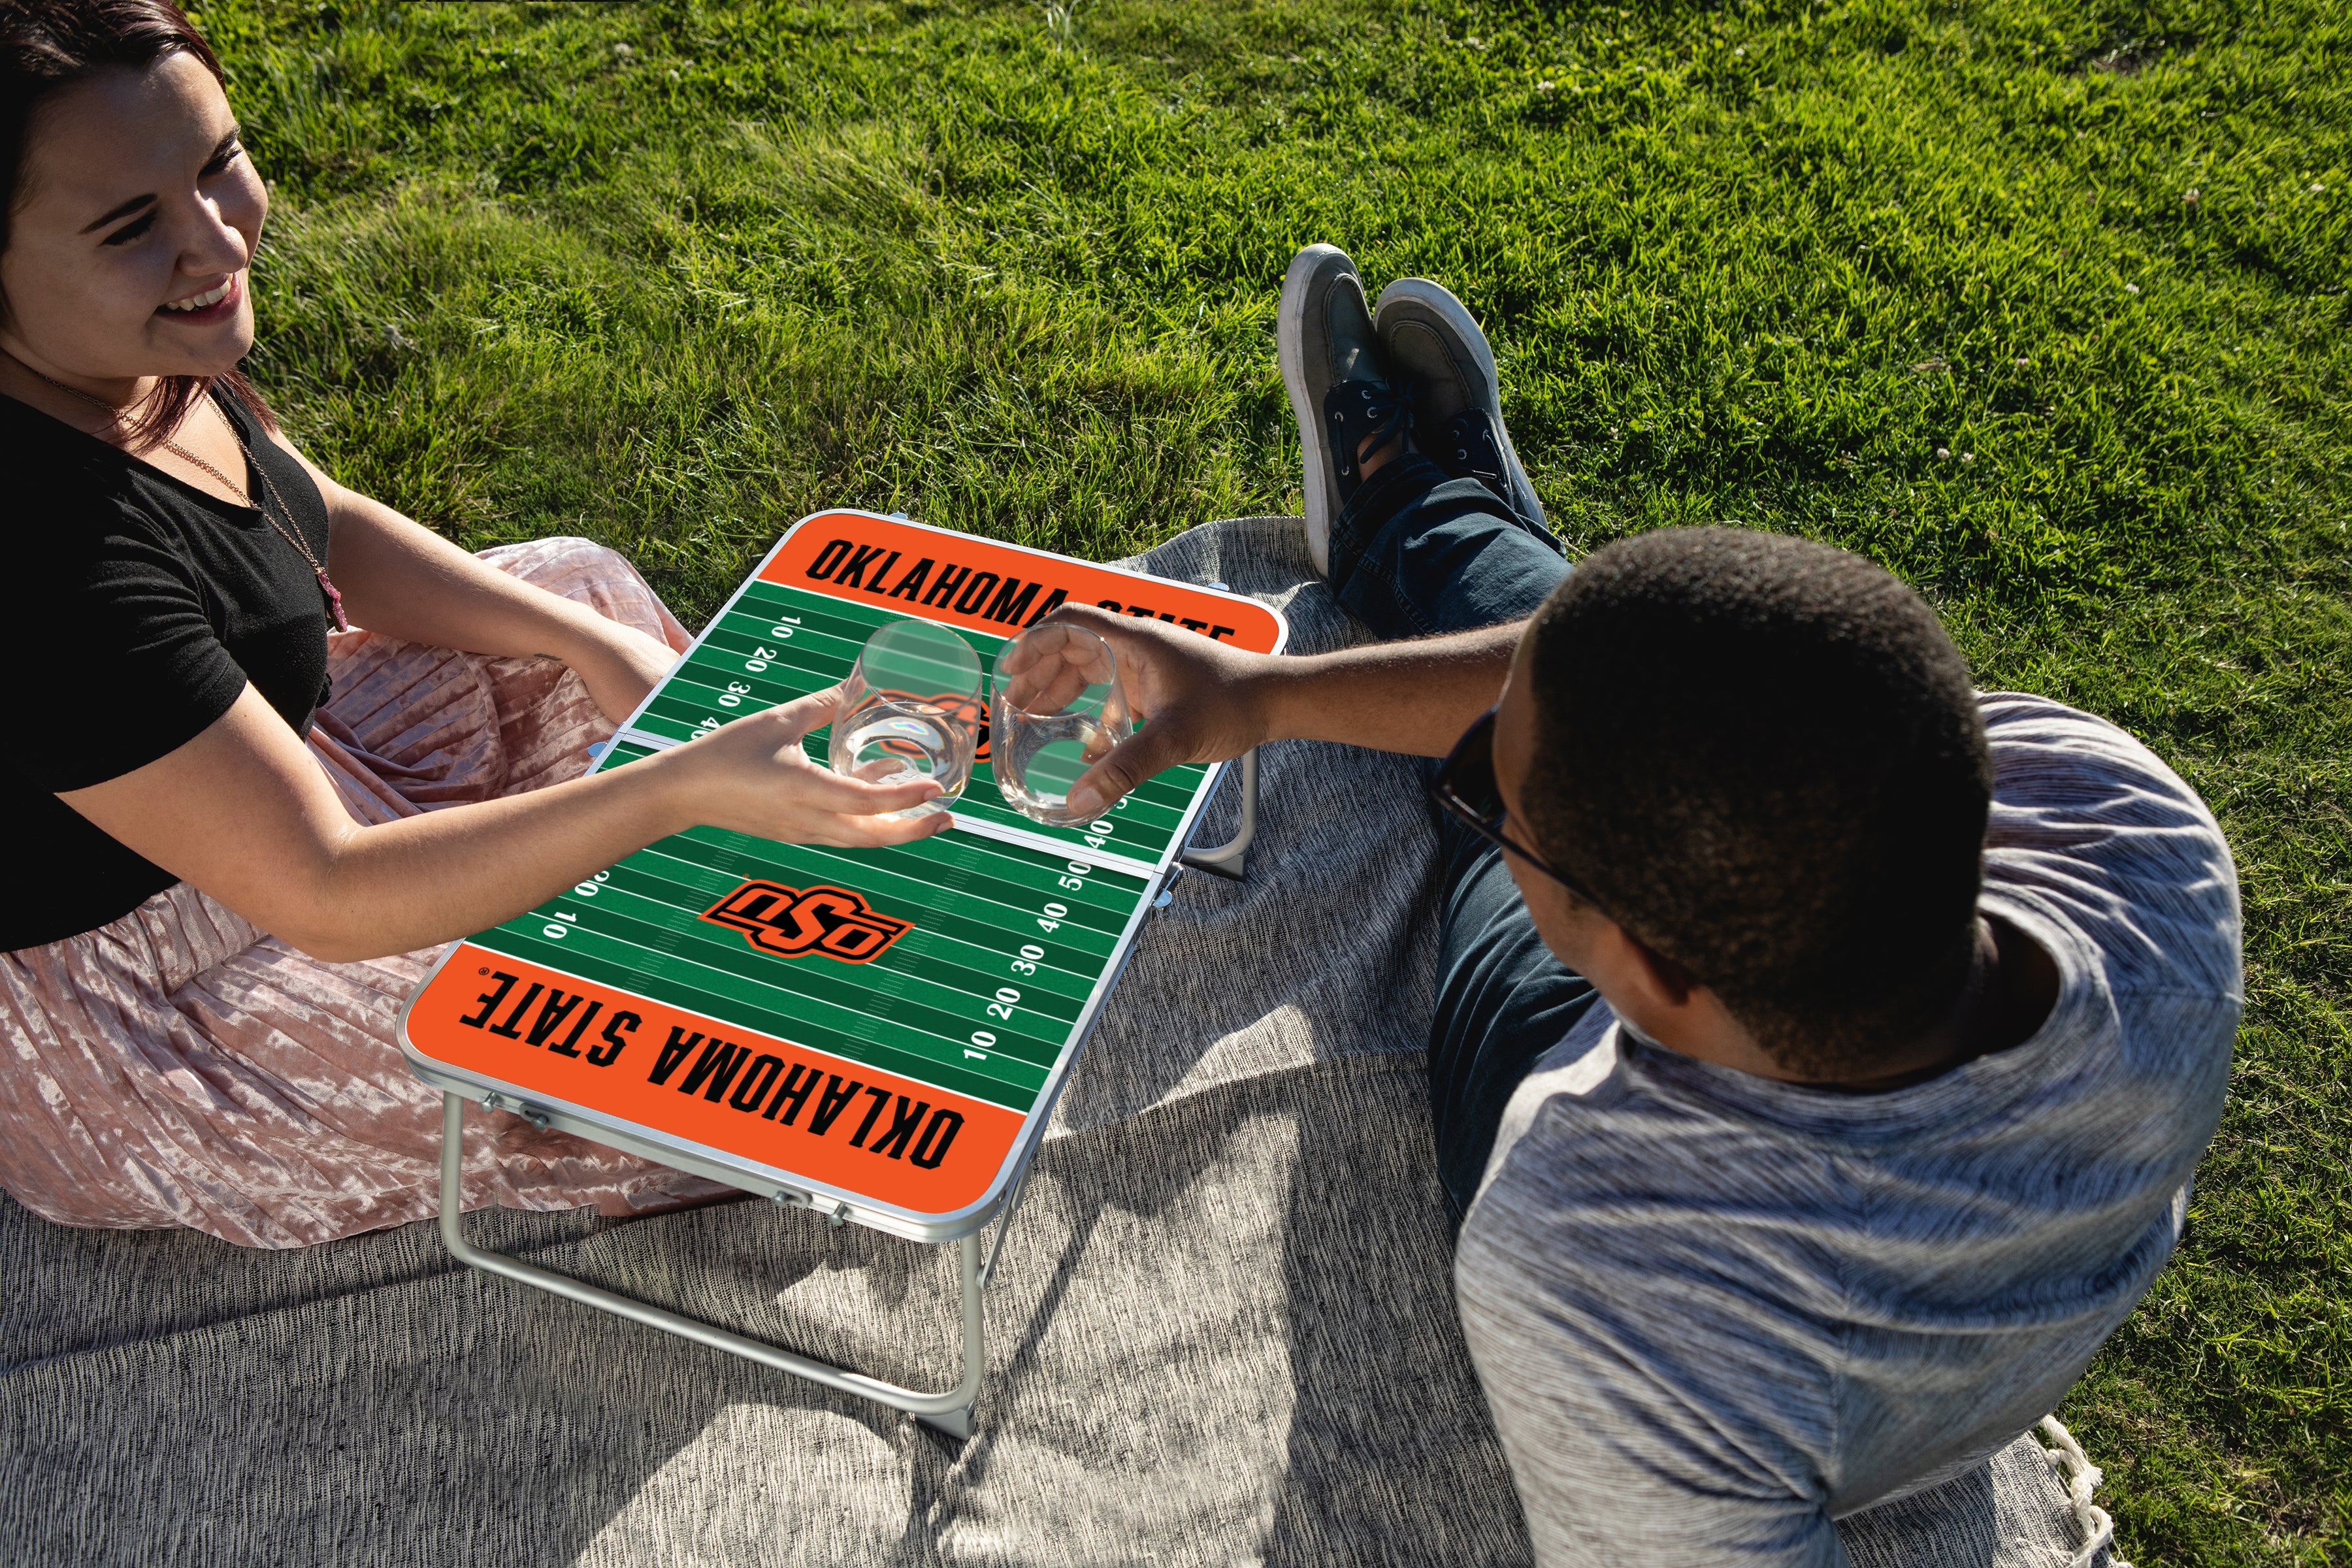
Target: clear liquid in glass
911	711
1044	758
888	740
1055	709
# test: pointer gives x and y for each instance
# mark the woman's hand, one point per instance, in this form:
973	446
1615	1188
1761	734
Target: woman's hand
754	777
619	665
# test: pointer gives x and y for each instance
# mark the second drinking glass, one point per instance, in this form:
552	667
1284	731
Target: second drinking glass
910	709
1055	709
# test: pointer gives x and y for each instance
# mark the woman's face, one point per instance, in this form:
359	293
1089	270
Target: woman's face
136	218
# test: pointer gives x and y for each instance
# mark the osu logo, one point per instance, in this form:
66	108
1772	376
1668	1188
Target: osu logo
834	921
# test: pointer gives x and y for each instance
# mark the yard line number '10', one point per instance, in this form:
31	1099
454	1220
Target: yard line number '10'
555	932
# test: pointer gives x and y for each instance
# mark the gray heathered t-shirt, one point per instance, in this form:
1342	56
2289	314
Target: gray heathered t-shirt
1714	1312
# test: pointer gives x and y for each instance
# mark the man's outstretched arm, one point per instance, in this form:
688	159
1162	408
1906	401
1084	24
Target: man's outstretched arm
1209	702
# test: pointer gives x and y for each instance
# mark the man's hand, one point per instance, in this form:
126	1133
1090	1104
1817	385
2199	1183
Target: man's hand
1204	701
1209	701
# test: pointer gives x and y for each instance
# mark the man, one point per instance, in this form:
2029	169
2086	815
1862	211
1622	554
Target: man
1822	1050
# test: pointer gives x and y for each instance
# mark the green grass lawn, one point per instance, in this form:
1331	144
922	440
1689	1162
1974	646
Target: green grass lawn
2040	304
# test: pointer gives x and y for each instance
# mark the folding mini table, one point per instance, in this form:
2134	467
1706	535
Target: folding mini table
878	1035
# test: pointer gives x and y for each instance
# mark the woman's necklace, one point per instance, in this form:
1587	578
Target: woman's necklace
269	493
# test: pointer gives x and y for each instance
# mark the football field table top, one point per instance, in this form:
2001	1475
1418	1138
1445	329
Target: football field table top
877	1032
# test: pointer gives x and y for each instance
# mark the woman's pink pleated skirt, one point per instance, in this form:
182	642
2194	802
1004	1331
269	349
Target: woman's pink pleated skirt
182	1067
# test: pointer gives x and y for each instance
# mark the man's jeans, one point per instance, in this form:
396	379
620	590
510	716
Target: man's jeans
1415	554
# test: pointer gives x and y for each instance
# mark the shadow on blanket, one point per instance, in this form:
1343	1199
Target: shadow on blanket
1222	1331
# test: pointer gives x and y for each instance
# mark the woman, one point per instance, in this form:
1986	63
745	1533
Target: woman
236	828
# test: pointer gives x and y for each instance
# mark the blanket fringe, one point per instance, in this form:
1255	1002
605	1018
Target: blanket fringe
2082	1478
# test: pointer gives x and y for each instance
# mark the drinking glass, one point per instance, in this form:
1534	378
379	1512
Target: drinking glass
910	709
1055	709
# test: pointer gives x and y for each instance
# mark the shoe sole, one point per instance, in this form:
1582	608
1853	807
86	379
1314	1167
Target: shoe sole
1290	353
1462	328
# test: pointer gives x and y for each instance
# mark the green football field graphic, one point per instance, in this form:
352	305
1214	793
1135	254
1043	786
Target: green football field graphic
1007	947
1008	944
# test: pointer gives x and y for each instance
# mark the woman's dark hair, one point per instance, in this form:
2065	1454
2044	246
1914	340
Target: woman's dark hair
47	46
1764	757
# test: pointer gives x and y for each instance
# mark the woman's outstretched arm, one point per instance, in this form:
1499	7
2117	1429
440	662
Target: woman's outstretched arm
245	813
400	578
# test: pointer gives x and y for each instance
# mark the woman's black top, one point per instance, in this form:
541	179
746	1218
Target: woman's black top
137	611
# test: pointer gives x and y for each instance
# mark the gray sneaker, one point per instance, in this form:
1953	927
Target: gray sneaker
1436	346
1338	380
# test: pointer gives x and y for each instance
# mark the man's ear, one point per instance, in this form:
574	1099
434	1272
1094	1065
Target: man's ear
1674	983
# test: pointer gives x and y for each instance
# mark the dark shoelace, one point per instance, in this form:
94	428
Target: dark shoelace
1381	412
1470	435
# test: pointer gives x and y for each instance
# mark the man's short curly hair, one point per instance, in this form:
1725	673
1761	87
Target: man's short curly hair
1764	757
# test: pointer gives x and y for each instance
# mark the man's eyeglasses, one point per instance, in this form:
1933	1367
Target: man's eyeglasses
1464	786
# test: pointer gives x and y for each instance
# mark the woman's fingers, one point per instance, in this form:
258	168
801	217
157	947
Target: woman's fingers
822	789
782	725
756	776
802	714
885	798
842	832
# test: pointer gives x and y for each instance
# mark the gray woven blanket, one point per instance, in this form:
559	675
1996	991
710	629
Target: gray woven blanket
1223	1331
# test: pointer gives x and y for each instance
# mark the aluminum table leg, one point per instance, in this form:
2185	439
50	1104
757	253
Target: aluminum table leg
1229	858
951	1412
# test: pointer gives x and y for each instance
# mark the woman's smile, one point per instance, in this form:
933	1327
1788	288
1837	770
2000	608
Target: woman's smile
217	303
